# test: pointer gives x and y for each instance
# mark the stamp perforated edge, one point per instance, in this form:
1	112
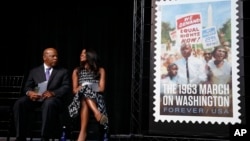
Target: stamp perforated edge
235	69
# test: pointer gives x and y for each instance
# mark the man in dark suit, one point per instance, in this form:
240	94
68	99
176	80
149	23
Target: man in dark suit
50	100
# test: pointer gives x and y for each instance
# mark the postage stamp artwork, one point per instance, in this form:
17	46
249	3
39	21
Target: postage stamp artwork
196	69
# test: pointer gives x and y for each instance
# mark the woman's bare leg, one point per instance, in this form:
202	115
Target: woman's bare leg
98	115
84	121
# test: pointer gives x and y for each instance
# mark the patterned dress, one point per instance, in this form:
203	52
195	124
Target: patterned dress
88	91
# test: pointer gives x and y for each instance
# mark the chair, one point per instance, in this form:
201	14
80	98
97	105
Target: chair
10	91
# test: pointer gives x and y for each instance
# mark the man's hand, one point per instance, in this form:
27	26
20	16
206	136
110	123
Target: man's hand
48	94
34	95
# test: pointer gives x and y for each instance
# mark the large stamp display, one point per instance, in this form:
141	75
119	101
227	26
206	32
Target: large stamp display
196	61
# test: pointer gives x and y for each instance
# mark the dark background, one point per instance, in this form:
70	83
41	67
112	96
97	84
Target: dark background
27	28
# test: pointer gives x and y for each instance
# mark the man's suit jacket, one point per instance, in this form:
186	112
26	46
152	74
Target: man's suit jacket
59	81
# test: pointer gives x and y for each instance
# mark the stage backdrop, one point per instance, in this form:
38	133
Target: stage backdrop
27	28
198	96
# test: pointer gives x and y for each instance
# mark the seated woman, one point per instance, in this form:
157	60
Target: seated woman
88	86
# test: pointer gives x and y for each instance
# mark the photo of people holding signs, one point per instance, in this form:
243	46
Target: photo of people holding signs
199	38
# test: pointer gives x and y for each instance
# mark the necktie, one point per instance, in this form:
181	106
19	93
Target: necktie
187	70
47	73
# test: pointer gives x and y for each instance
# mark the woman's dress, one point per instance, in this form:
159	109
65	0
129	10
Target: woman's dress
90	81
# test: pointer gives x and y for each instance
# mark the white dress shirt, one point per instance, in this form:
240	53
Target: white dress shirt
196	68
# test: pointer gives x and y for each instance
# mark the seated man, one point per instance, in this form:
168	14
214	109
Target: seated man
45	87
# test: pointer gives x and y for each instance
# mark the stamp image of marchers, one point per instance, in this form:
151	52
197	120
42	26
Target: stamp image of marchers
188	86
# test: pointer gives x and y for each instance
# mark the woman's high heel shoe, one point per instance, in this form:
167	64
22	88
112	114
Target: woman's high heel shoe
103	120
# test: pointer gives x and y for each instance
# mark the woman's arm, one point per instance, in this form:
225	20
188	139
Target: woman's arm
102	80
76	86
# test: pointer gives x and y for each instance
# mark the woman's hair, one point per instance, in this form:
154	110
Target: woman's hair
92	60
220	47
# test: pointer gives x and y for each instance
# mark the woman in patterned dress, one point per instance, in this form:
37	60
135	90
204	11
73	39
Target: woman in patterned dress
88	86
